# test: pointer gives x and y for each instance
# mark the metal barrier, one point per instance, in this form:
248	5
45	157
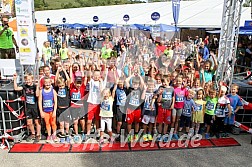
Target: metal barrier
12	120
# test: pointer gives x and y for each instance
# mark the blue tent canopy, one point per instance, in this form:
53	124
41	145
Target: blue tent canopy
167	28
77	26
105	26
64	25
246	30
142	27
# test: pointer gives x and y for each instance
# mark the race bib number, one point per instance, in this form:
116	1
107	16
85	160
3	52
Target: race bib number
219	112
179	99
76	96
105	106
209	106
186	112
122	98
95	89
134	102
47	103
199	107
30	99
166	96
62	93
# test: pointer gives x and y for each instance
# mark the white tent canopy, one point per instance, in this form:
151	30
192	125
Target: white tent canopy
193	14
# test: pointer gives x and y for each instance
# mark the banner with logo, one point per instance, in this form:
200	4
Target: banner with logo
25	32
175	10
7	7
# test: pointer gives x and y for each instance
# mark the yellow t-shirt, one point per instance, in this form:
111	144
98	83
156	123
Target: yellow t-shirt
200	105
63	53
106	108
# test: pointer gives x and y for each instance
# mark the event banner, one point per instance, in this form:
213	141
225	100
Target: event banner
25	31
7	7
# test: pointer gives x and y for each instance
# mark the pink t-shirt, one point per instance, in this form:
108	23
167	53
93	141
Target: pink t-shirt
180	94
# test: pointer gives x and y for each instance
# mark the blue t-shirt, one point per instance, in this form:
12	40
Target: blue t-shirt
208	75
189	104
120	97
234	101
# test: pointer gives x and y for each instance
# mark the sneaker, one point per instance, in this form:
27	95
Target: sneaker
67	138
48	139
54	138
175	136
217	135
145	137
101	141
61	135
83	137
150	138
76	138
159	138
30	138
226	135
130	138
166	139
136	137
207	136
37	138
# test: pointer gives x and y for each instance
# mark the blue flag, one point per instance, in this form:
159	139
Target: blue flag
175	10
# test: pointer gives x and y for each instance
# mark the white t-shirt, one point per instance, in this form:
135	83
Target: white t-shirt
94	96
221	106
106	108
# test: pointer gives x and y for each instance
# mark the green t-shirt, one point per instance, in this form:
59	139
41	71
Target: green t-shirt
6	39
106	53
63	53
211	105
47	52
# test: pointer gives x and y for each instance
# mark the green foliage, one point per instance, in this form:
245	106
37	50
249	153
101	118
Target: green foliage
59	4
247	3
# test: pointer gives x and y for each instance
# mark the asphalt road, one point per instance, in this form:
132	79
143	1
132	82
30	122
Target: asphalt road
226	156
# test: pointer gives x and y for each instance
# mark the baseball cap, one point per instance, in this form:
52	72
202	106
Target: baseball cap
78	79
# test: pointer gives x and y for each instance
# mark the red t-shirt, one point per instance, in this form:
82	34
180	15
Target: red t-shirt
77	95
42	80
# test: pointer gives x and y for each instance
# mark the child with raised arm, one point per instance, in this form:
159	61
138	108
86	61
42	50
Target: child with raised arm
120	100
96	85
31	92
165	101
63	93
47	103
133	110
106	113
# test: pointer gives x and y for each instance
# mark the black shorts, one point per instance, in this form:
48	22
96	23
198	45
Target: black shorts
8	53
185	121
120	113
208	119
32	113
63	115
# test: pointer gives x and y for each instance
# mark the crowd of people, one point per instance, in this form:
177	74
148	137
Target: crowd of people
164	88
